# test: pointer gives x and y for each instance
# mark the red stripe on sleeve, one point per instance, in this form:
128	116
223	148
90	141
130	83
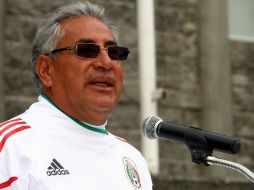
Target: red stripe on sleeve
8	183
6	122
122	139
10	126
14	131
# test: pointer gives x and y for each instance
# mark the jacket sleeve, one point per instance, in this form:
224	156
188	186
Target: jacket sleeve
8	175
9	178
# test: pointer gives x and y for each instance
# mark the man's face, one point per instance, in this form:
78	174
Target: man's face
86	86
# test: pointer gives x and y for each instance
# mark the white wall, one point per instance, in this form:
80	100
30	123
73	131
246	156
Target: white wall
241	16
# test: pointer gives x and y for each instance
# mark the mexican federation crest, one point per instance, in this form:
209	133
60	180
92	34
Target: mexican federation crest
132	173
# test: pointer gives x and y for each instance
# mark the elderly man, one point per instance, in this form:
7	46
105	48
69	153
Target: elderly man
60	142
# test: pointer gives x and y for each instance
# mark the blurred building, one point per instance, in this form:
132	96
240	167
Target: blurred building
205	64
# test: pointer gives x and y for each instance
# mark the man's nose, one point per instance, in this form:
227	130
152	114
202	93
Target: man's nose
103	61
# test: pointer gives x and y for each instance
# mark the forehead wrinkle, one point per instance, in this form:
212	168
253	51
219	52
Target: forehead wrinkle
106	43
86	41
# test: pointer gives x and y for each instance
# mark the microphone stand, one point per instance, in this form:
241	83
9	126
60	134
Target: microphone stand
201	153
231	165
204	156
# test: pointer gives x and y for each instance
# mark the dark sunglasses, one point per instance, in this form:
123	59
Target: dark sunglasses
90	50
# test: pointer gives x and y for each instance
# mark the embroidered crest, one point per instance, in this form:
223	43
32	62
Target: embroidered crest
132	173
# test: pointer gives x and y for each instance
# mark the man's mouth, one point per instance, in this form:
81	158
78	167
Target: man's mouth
102	81
103	84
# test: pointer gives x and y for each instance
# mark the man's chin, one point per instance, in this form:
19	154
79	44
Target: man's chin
103	102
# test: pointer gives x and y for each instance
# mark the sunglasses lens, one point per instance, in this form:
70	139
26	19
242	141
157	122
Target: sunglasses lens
118	52
88	50
92	51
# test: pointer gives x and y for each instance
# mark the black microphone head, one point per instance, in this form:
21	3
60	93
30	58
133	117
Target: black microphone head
149	125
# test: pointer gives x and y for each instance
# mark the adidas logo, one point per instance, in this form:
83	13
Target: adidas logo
56	169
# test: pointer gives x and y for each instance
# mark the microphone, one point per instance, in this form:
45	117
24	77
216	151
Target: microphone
154	127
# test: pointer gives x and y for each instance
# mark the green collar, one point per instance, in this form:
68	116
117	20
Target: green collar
74	119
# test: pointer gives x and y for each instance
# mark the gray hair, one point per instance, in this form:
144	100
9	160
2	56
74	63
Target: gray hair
49	32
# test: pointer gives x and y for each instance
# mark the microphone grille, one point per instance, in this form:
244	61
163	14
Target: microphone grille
148	127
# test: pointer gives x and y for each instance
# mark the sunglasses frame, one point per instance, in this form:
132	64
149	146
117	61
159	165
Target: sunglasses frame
75	48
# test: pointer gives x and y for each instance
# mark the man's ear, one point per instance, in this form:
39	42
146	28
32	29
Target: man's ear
44	68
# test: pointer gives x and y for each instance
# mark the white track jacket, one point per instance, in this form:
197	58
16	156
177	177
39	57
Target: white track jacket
46	149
